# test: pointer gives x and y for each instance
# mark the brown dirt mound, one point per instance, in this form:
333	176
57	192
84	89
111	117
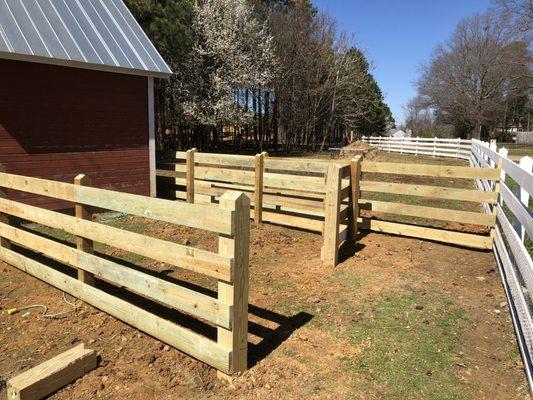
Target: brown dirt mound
358	148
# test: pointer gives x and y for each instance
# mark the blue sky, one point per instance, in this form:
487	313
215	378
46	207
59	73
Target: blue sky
398	36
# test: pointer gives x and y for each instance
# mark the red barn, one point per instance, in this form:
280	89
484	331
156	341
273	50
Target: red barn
76	94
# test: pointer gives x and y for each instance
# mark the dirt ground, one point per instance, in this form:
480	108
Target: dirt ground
402	318
398	318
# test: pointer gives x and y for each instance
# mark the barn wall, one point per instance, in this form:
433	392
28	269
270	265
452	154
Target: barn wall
57	122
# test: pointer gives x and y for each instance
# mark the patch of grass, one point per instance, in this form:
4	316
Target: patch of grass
57	234
406	346
351	280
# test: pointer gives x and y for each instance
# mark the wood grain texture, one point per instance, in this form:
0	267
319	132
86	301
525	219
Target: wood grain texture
197	260
168	293
235	295
183	339
83	244
50	376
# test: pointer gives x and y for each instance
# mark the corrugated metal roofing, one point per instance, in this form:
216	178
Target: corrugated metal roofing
93	34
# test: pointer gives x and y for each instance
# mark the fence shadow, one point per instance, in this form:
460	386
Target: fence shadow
270	338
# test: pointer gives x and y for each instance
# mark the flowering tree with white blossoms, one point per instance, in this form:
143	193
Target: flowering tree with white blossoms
232	52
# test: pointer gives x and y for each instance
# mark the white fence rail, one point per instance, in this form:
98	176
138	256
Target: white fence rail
514	229
456	148
514	226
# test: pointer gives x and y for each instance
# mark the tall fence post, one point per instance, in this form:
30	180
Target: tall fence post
503	152
189	177
355	194
258	189
235	293
83	244
330	248
496	188
4	218
526	163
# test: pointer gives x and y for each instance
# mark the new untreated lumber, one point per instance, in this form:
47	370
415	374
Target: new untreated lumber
52	375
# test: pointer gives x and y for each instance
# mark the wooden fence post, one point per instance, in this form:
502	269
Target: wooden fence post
235	294
496	188
83	244
355	194
189	178
4	218
258	189
330	248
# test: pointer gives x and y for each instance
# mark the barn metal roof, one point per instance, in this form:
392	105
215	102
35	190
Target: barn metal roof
92	34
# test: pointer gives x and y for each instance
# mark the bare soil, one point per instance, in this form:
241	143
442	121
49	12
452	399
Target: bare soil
402	318
398	318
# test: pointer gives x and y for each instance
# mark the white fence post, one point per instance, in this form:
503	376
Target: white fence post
526	163
435	146
503	152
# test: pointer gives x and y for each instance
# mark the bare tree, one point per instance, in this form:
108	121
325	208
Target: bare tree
469	78
519	13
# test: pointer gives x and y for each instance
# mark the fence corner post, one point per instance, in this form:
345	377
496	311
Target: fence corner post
355	194
258	189
330	248
235	293
4	218
189	171
83	244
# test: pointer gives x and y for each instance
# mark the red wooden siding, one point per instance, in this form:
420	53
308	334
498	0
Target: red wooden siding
57	122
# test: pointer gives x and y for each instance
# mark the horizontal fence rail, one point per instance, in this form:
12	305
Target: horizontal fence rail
227	312
513	237
382	201
437	147
298	193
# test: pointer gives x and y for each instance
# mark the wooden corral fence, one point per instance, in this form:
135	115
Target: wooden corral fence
513	239
376	180
229	266
455	148
305	194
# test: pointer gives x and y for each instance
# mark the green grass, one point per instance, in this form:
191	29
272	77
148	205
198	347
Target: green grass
406	352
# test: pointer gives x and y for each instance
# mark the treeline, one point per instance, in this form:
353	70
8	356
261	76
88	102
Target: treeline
258	74
478	83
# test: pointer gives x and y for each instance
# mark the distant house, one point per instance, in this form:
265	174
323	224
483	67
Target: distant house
76	94
397	133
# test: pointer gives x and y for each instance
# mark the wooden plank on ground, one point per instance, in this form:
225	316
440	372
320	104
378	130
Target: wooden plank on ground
50	376
198	346
438	192
439	171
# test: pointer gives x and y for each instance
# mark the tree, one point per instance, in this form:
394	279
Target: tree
470	78
232	52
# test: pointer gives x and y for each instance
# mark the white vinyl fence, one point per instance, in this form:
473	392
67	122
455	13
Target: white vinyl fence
456	148
514	231
514	219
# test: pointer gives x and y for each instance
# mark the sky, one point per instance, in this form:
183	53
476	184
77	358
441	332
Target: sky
398	36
